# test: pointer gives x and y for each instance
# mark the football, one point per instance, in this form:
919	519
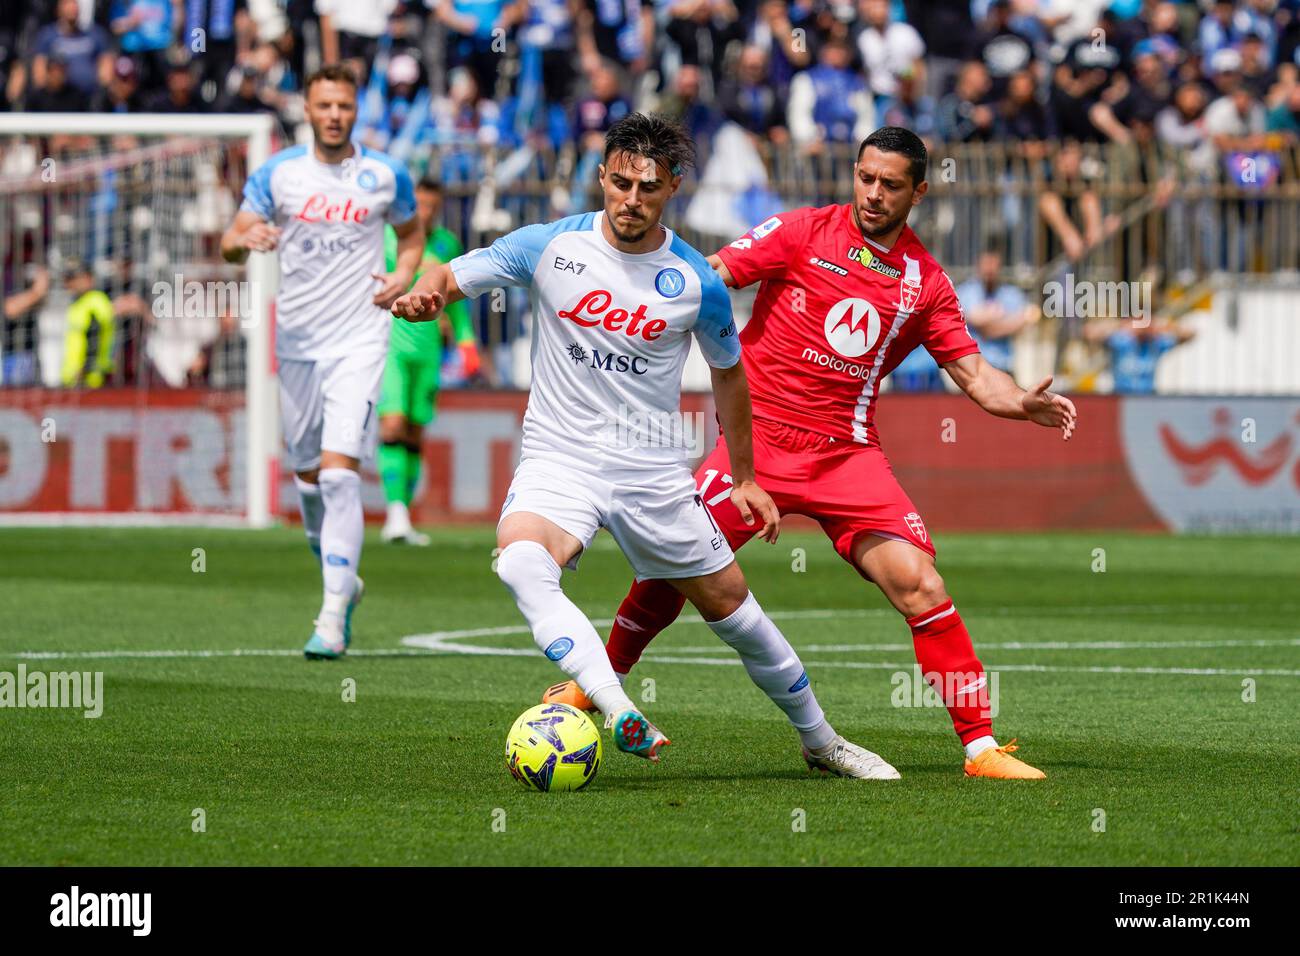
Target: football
553	747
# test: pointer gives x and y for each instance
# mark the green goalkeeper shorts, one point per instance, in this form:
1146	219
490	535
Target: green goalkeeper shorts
410	388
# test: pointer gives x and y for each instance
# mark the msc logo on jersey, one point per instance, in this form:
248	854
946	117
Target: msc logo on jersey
670	283
368	180
864	256
609	362
852	327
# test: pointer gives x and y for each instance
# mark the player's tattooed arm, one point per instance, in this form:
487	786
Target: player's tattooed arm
436	289
735	415
998	394
248	233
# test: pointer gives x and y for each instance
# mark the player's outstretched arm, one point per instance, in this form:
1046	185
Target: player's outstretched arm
721	269
997	393
735	414
436	289
248	233
410	246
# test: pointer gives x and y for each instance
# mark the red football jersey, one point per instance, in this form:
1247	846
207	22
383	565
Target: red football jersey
835	314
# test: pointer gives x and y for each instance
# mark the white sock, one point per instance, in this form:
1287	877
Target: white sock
399	514
775	667
560	630
979	745
312	510
340	536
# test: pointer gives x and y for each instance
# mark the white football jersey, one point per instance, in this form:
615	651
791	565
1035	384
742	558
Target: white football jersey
611	332
331	218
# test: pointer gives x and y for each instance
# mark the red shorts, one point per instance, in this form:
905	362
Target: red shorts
847	488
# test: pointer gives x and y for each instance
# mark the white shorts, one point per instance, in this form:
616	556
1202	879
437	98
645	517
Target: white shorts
660	523
330	404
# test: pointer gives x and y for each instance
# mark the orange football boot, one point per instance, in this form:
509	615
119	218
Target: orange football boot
998	762
568	693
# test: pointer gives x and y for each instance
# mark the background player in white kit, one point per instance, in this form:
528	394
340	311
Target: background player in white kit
324	207
615	299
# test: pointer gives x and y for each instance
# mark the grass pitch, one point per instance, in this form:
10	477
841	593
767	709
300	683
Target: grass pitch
1128	687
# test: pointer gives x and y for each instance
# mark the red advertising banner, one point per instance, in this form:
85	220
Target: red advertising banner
1184	464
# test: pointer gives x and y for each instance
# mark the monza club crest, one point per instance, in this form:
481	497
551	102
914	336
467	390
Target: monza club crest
915	525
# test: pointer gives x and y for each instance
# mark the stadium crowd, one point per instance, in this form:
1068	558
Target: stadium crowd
1217	82
810	72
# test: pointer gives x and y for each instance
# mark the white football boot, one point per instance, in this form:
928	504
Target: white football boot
845	759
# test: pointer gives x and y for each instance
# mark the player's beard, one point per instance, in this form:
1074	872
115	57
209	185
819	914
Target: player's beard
630	236
882	229
328	145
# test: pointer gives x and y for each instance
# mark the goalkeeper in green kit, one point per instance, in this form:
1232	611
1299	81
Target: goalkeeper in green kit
410	385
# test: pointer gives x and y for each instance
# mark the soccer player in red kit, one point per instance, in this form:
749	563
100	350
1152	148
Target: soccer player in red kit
846	292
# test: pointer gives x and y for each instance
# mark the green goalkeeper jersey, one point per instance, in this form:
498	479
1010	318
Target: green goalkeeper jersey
423	340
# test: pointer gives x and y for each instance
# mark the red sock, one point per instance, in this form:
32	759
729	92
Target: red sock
948	661
649	607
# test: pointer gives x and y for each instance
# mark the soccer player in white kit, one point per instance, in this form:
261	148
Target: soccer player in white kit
324	207
616	297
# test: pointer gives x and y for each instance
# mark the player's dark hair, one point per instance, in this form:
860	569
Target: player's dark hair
896	139
336	72
427	182
654	137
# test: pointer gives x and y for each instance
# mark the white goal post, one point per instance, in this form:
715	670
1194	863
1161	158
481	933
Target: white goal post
96	197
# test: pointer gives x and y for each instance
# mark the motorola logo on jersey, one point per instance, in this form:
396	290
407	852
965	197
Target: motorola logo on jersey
593	309
852	327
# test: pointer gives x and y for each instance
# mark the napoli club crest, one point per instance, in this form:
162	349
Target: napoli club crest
915	525
368	180
670	283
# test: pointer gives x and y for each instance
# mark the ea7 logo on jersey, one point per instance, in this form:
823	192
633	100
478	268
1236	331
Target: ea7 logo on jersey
569	265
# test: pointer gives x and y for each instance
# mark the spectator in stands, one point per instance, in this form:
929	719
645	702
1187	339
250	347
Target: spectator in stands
830	103
1021	116
774	34
122	95
621	31
87	54
220	363
20	326
600	109
749	100
54	94
701	30
548	46
1071	207
210	33
1236	120
888	49
686	106
1136	345
476	30
1003	49
1077	85
946	28
1181	124
995	311
13	74
144	30
88	342
350	31
1257	72
1217	30
1141	101
180	95
1284	117
246	97
912	109
965	114
463	123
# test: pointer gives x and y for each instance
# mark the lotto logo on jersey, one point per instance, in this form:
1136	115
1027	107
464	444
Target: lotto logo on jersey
593	309
320	208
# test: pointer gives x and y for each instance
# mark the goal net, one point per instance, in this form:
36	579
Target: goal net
135	365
